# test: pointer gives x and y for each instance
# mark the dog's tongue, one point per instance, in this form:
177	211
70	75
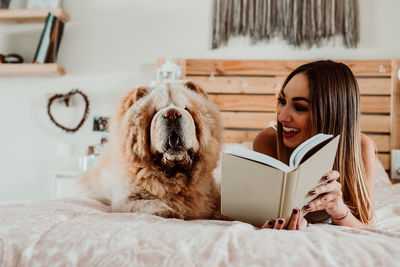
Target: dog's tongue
173	140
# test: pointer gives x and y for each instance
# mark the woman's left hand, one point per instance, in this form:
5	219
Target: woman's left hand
329	197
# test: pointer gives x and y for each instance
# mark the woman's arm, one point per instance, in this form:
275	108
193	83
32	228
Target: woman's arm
368	149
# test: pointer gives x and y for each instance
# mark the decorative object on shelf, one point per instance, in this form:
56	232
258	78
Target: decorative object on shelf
66	99
11	58
4	4
41	4
168	71
50	40
300	23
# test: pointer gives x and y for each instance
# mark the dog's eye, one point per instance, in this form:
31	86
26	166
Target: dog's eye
187	109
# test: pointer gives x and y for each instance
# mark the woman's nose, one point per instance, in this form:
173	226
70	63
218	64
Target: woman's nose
284	115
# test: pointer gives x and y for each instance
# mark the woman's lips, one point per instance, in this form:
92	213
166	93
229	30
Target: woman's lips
289	132
289	135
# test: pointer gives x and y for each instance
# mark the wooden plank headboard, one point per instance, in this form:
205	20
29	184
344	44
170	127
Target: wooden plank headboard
245	91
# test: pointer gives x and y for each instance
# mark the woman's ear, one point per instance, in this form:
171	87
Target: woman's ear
195	87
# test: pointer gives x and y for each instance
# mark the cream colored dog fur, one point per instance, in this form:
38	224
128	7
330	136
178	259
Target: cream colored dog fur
164	145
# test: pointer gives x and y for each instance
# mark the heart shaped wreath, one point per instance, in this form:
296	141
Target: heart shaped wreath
66	98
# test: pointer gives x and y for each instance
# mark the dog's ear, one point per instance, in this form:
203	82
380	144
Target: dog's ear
195	87
132	96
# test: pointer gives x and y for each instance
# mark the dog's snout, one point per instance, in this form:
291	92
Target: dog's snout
172	114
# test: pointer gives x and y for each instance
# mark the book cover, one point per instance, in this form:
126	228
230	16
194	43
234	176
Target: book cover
55	40
59	37
51	51
44	42
256	187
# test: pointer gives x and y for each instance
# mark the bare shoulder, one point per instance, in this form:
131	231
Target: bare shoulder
265	142
368	151
367	145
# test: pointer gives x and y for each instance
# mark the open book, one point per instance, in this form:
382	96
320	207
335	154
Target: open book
256	187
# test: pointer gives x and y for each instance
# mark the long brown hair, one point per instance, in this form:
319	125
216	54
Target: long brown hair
335	109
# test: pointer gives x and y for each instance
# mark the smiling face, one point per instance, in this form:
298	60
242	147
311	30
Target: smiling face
294	111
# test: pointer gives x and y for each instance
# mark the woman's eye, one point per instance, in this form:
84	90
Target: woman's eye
300	108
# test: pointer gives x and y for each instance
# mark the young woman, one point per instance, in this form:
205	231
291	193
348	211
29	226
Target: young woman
323	97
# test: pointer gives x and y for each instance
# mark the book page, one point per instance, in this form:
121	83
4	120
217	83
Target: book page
311	172
306	146
258	157
250	192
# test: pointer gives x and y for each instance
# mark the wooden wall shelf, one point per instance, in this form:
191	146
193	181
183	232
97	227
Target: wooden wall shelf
26	69
30	15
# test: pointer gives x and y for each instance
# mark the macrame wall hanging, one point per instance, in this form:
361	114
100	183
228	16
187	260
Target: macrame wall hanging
299	22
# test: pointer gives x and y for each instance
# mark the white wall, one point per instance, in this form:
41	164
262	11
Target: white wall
109	47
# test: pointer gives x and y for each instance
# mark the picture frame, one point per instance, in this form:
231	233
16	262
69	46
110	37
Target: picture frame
100	123
43	4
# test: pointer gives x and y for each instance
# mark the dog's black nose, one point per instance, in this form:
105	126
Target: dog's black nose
172	114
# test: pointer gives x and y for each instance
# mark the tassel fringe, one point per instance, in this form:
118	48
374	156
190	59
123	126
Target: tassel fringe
299	22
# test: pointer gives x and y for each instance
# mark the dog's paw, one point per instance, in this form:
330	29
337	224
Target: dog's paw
169	213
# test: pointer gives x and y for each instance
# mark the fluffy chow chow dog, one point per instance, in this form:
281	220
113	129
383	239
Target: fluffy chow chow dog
164	144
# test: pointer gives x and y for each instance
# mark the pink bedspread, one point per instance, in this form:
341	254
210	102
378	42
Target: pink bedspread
82	232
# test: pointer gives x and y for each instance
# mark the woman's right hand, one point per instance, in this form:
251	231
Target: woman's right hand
296	222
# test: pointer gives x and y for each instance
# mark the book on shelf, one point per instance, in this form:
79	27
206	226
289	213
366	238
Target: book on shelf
55	41
60	32
44	41
49	43
256	187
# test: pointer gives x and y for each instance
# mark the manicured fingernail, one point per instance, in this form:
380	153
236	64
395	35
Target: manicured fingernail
295	211
270	223
325	178
280	221
307	207
312	192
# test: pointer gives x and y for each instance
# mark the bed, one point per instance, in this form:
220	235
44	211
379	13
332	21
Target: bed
83	232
